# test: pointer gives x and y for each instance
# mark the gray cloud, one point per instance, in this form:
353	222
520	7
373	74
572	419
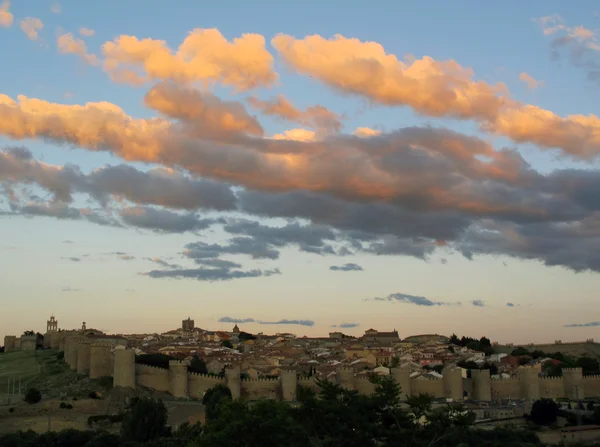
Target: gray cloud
70	289
348	325
478	303
591	324
412	299
72	258
164	263
255	248
162	220
349	267
309	238
252	320
68	242
510	304
211	275
236	320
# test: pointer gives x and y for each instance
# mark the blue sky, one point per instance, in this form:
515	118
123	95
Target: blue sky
80	270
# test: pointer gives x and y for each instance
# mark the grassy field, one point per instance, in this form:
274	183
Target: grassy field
26	365
575	349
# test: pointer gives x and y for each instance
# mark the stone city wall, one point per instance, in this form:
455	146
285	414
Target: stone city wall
101	358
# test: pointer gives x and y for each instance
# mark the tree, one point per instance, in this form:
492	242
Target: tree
227	344
198	365
454	340
213	398
144	420
32	396
517	352
544	412
589	365
419	405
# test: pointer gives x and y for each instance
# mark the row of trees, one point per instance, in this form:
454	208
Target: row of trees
483	344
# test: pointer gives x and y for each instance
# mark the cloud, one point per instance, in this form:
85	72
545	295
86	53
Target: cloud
252	320
365	132
435	88
126	257
164	263
302	135
350	267
581	45
67	241
236	320
56	8
293	322
316	117
72	258
348	325
256	249
205	55
530	81
6	18
209	114
591	324
478	303
412	299
510	304
69	44
164	221
86	32
211	274
31	26
70	289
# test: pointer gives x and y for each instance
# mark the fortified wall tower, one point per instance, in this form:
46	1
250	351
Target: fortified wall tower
453	383
178	378
482	384
573	381
234	381
124	372
289	384
529	383
10	342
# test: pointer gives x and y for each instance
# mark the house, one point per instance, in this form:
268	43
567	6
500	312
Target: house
382	371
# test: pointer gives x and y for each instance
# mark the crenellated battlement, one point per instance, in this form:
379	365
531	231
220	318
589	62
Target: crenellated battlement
102	344
595	377
423	378
205	376
178	363
551	379
261	379
149	367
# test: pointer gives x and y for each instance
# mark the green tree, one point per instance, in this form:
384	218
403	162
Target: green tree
419	405
213	398
198	365
144	420
32	396
544	412
517	352
227	344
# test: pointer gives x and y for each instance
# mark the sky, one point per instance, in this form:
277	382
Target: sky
301	167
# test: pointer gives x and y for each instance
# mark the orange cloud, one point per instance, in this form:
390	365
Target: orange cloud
531	82
430	87
296	135
439	89
97	126
31	26
87	32
205	55
219	140
6	17
206	113
317	117
69	44
366	132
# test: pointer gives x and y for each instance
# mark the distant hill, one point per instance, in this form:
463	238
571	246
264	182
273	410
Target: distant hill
572	349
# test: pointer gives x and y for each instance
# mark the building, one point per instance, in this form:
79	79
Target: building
374	336
187	326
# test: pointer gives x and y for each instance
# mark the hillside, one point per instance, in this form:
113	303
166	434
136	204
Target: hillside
571	349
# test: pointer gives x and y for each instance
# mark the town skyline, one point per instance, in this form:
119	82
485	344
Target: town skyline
295	171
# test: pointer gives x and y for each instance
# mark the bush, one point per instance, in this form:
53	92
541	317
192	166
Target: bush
60	355
75	398
111	418
63	405
11	410
544	412
33	396
94	395
69	407
144	420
